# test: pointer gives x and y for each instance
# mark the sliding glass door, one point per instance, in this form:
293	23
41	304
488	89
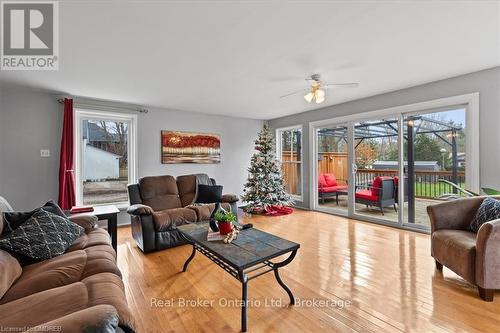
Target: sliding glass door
376	169
389	169
332	168
435	161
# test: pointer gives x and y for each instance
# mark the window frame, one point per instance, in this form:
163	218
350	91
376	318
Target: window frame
85	114
278	135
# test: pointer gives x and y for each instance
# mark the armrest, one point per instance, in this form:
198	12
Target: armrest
455	214
230	198
101	318
88	221
488	255
140	210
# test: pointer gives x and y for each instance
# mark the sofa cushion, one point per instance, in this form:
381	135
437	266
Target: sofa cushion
160	192
332	189
48	305
204	211
489	210
170	218
99	318
15	219
10	271
63	270
330	179
43	236
376	186
90	238
456	249
366	195
321	180
187	189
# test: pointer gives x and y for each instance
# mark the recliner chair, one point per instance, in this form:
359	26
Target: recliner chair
161	203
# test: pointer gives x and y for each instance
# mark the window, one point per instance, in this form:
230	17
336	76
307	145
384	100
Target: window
290	155
105	156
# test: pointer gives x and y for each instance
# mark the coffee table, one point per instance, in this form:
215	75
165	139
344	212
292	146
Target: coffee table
247	257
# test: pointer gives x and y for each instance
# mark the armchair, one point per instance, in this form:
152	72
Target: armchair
328	186
381	193
475	257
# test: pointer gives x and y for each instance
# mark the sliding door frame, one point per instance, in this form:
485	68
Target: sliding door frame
313	142
469	101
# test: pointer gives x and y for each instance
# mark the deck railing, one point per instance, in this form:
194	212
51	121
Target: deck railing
427	183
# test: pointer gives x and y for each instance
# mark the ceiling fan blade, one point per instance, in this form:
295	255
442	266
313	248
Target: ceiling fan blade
341	85
295	92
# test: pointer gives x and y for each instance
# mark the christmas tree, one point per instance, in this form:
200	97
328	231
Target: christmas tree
264	187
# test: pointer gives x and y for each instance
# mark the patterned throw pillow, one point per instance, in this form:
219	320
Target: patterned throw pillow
43	236
15	219
488	211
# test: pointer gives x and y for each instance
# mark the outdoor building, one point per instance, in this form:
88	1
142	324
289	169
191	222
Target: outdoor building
100	164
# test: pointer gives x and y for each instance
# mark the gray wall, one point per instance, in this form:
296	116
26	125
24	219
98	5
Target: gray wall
30	121
486	82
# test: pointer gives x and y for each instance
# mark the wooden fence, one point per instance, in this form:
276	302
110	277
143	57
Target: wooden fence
426	182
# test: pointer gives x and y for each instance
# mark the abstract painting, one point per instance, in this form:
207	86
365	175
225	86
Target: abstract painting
189	147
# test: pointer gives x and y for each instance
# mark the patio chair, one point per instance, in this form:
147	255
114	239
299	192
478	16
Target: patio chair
328	186
405	189
379	194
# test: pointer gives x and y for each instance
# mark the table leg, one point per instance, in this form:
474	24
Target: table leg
278	278
244	306
189	259
284	286
112	229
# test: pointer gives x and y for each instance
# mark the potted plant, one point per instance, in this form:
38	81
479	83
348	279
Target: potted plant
225	221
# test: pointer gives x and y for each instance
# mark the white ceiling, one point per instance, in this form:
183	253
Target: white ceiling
236	58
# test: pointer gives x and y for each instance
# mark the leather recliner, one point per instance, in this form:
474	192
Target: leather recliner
161	203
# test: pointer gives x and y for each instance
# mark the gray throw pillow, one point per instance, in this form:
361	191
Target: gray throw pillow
488	211
42	236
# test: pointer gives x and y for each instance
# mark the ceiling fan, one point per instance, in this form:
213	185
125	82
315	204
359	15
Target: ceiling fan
317	90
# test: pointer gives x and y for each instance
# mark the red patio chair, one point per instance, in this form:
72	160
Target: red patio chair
379	194
328	186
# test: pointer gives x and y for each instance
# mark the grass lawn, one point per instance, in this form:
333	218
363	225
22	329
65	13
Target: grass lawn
433	189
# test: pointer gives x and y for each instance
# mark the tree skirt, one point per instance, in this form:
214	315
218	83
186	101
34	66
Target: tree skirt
275	210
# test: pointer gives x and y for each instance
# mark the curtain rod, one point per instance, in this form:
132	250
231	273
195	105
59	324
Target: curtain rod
141	110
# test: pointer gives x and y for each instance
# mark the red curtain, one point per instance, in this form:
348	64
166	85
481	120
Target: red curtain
66	174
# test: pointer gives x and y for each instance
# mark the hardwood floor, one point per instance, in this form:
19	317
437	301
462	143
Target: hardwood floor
384	277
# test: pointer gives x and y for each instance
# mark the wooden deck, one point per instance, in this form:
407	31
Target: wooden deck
382	280
421	216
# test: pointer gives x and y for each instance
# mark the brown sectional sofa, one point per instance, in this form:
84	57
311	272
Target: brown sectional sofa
79	291
161	203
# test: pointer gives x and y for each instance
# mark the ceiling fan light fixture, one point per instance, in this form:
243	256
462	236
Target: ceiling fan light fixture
320	93
320	99
309	97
